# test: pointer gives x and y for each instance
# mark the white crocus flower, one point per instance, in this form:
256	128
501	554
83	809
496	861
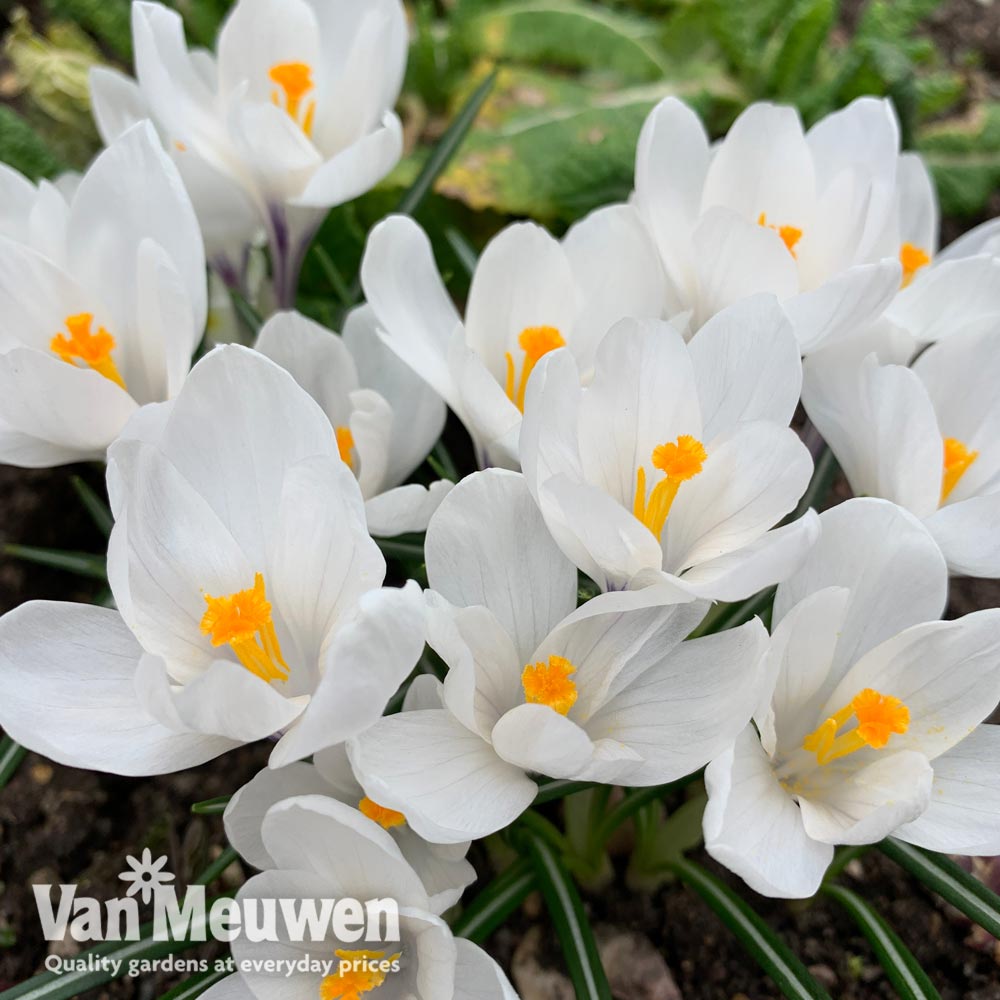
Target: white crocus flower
676	462
608	692
320	849
102	302
926	437
530	295
807	216
386	419
442	867
247	585
292	115
870	724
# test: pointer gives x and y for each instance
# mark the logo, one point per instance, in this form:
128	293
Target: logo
317	920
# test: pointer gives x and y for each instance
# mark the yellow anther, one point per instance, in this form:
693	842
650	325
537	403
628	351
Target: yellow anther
679	460
912	258
878	717
243	621
93	349
790	235
386	818
536	342
345	443
550	684
295	80
358	973
957	459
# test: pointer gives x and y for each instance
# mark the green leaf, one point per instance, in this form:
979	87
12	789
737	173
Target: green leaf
496	902
558	788
249	316
11	755
566	910
211	807
82	563
904	971
217	867
765	947
22	148
824	474
807	26
109	21
196	985
96	507
567	34
463	249
941	875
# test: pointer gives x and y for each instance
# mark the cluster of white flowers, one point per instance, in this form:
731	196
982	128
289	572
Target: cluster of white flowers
628	391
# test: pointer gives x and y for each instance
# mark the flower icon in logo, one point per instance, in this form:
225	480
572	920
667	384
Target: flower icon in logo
146	875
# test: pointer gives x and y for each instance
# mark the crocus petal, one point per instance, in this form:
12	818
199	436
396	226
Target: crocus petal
746	365
615	265
754	828
405	508
52	412
946	673
984	238
418	412
233	987
249	805
865	805
968	537
357	169
888	561
843	305
919	217
365	661
687	708
447	781
736	258
116	101
17	195
411	305
316	833
67	690
487	544
965	799
478	977
754	475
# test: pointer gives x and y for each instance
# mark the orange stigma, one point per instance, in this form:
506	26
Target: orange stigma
790	235
679	460
536	342
93	349
358	973
345	442
957	459
912	258
550	684
295	79
243	621
386	818
878	717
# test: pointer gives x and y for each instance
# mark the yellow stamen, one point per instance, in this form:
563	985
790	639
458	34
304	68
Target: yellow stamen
536	342
295	79
386	818
549	684
790	235
878	717
912	258
345	442
355	975
180	146
243	621
680	460
957	459
93	349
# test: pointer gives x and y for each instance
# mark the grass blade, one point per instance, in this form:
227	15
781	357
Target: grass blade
941	875
98	510
571	924
11	755
217	867
904	971
211	807
765	947
248	316
463	250
559	788
81	563
496	902
446	148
